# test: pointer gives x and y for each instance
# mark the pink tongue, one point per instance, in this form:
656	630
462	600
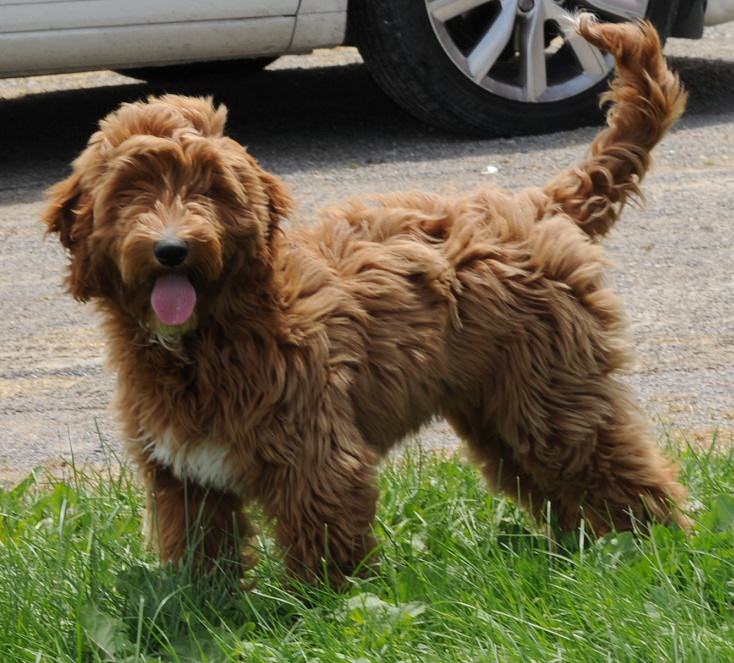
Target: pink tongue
173	299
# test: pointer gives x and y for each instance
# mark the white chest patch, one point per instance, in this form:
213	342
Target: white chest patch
205	463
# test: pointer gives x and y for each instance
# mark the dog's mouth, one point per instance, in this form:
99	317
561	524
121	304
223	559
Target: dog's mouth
173	299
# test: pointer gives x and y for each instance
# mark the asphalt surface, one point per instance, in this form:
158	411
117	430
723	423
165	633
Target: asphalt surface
320	123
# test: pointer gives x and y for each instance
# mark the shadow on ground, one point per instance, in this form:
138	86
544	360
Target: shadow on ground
291	119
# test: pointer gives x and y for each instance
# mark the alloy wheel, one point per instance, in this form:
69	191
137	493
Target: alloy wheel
526	50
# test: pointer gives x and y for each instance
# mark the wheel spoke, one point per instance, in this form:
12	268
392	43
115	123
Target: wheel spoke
485	53
550	61
625	9
445	10
532	56
590	58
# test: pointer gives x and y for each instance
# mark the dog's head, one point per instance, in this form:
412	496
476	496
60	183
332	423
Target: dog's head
161	209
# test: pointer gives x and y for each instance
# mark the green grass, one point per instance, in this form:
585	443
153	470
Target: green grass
464	577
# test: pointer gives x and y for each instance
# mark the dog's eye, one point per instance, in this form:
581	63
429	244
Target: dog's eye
207	192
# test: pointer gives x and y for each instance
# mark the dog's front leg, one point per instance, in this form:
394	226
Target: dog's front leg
193	524
324	510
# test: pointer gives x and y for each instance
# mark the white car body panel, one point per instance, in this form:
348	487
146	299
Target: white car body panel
320	23
53	51
32	15
50	36
321	6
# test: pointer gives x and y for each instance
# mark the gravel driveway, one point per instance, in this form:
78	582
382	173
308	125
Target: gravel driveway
328	132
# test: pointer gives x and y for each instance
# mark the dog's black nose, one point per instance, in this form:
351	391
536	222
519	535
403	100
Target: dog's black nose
171	252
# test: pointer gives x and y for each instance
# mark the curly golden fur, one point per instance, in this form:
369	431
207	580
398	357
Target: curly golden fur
310	352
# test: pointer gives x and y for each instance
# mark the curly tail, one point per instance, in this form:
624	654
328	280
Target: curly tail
647	98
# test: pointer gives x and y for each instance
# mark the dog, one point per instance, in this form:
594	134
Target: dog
257	364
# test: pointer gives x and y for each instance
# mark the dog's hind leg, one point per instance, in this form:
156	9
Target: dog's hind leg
613	475
588	452
496	461
602	468
547	401
193	524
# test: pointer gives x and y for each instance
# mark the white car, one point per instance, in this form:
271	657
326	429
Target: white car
488	66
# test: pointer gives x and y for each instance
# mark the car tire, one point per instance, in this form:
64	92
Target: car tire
401	46
181	73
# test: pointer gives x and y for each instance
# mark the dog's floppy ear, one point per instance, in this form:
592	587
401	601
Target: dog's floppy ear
59	216
259	187
280	202
69	215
